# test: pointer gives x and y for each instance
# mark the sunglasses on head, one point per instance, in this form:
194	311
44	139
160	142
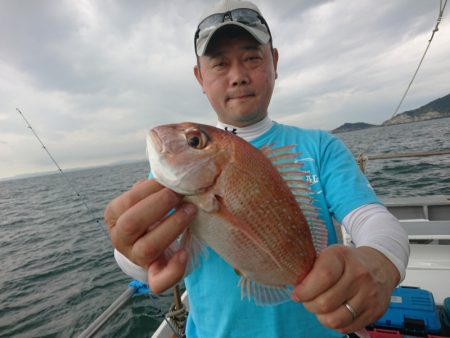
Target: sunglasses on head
245	16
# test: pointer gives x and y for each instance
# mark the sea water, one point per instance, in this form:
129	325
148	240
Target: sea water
58	274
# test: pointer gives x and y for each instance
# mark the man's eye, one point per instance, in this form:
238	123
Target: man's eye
253	58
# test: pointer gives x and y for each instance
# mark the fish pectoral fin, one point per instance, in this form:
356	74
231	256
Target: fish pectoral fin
263	294
208	202
195	249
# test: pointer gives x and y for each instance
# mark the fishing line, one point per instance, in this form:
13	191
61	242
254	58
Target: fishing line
69	182
436	28
83	201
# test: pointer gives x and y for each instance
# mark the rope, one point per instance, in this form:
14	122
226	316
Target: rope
176	318
436	28
174	323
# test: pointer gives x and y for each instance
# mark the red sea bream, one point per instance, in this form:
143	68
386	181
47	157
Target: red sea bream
254	207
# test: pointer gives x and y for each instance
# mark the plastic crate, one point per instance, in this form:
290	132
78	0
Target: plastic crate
411	311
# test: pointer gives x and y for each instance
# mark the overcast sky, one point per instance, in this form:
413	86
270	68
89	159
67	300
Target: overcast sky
92	76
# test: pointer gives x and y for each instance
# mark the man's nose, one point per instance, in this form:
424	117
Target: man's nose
239	75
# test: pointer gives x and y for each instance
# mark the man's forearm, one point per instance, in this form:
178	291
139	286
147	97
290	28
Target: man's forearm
374	226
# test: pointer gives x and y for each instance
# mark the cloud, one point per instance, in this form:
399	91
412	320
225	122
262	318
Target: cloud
93	76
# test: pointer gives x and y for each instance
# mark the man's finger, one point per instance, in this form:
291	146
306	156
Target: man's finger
120	204
150	246
135	221
334	297
163	275
327	269
343	318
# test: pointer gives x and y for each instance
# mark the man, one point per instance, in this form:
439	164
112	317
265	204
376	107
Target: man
347	288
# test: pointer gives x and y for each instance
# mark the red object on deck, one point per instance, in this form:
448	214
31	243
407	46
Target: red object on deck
384	333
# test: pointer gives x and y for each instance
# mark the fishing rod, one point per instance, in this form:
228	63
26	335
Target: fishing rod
133	289
69	182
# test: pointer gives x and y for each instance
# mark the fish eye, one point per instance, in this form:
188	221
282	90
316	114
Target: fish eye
196	139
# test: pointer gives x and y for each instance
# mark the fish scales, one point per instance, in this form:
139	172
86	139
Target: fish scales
254	181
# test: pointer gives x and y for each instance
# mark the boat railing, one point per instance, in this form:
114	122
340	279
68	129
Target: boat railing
108	313
173	319
425	218
362	158
135	287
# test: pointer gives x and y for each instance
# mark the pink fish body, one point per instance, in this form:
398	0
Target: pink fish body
252	204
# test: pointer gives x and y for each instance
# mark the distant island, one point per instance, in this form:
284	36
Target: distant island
437	109
353	126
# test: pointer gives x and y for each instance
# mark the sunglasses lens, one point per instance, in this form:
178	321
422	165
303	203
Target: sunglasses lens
245	16
211	21
242	15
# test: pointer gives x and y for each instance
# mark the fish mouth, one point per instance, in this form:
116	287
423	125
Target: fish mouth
155	141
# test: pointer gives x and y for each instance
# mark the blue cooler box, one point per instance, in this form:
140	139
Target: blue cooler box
411	311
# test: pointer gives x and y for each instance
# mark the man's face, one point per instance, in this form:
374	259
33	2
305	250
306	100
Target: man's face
238	76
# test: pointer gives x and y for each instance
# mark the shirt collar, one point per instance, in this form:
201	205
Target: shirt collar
248	133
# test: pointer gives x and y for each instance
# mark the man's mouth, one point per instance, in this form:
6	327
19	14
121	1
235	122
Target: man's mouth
240	96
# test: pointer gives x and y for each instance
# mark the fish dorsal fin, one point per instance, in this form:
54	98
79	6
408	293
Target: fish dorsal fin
284	160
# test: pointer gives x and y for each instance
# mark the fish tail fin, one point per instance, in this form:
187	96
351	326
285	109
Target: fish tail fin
263	294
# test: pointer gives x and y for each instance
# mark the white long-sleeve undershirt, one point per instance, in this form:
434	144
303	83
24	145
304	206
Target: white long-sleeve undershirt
129	268
374	226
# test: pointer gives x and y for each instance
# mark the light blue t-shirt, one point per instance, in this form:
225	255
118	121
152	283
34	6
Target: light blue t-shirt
216	307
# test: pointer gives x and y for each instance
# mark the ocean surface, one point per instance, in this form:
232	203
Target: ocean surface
58	274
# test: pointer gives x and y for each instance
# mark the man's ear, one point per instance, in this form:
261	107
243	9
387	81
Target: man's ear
198	75
275	61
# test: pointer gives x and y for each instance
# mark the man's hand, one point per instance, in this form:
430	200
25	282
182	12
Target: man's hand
363	278
141	230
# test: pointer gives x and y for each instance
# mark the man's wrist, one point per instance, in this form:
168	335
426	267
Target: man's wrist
384	269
